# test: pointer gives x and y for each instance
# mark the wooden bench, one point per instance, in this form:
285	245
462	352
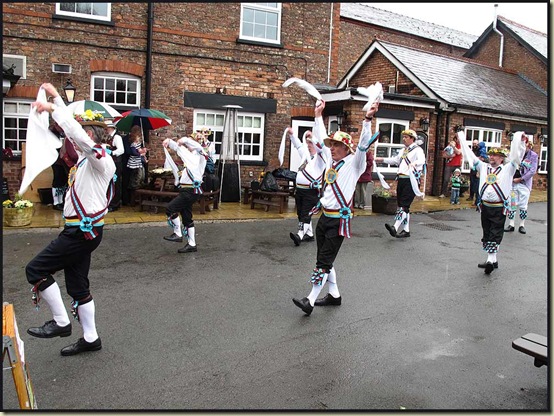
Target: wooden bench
155	198
535	346
269	199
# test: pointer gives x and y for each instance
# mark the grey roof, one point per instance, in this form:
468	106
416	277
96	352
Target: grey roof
468	84
365	13
536	40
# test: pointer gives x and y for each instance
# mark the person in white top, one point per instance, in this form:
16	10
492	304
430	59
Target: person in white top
309	180
190	189
115	144
87	198
411	163
342	172
495	184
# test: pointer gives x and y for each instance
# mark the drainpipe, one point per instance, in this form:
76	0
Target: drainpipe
437	179
501	52
148	80
330	45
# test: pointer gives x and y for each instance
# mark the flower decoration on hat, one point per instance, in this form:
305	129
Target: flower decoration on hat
89	115
498	151
410	133
340	136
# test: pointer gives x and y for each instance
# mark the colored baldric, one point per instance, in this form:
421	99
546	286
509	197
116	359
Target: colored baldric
315	183
344	212
196	185
492	176
86	221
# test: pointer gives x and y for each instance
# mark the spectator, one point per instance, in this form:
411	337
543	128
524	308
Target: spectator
453	161
360	195
456	184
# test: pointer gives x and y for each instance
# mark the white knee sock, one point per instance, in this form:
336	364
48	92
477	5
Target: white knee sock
491	257
86	317
332	281
53	297
307	230
398	222
177	226
191	236
310	229
407	225
316	289
56	197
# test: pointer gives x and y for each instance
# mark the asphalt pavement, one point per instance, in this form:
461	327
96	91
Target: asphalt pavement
420	326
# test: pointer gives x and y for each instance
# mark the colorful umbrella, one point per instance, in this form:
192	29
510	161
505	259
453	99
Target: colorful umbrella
79	107
147	118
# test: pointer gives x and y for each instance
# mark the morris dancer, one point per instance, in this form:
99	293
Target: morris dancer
190	189
343	170
495	181
522	184
87	198
411	164
313	161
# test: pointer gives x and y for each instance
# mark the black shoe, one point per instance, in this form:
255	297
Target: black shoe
174	237
308	237
522	230
112	209
50	330
82	346
489	267
403	234
58	207
304	304
391	229
328	300
509	229
295	238
187	249
484	265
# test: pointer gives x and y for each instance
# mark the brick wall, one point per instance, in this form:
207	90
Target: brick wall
515	57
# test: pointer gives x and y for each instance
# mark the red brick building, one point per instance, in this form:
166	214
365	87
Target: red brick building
189	60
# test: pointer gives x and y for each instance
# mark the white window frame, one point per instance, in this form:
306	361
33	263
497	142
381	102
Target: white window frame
21	132
491	137
260	9
106	18
214	120
117	78
543	158
379	145
22	72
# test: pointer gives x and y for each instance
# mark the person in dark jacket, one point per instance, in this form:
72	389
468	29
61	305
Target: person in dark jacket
361	186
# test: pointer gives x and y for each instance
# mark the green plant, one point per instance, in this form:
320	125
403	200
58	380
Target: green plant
382	192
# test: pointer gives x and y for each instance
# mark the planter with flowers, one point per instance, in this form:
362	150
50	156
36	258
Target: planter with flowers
17	213
383	201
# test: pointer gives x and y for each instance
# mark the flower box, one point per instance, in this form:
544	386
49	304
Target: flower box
18	217
383	205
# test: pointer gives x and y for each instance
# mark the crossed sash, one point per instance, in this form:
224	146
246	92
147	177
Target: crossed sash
491	180
85	221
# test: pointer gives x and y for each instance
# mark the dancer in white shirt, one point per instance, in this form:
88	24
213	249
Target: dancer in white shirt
343	170
87	198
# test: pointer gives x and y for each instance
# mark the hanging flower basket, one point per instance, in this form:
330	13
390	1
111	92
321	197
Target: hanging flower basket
18	213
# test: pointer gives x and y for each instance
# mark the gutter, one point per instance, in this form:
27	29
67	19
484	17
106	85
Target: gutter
148	74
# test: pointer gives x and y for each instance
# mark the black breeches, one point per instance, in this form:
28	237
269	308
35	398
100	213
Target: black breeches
492	222
69	252
305	200
329	242
404	194
182	204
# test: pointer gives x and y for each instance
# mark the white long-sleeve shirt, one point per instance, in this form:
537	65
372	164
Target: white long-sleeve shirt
117	145
93	175
503	175
315	164
354	166
412	157
194	161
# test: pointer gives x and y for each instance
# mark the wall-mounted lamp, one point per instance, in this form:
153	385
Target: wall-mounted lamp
424	124
341	118
69	90
509	135
221	90
457	128
543	138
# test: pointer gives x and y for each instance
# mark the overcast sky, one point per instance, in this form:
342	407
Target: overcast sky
473	18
